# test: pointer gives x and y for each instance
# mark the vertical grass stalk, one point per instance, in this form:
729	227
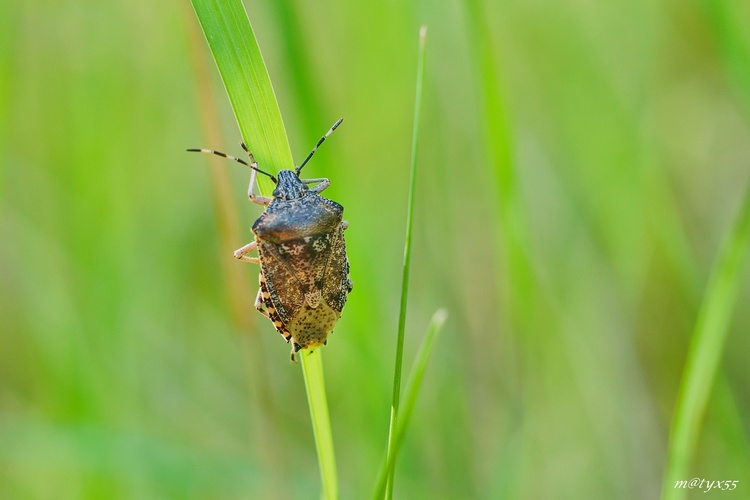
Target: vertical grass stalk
391	457
312	369
704	353
243	71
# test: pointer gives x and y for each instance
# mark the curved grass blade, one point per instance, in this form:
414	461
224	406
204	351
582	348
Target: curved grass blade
704	353
410	395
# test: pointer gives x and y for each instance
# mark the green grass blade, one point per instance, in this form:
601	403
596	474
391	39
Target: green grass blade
240	63
407	265
410	395
238	58
704	354
312	368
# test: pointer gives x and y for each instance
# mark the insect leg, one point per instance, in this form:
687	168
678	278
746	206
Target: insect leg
260	200
256	198
324	183
241	253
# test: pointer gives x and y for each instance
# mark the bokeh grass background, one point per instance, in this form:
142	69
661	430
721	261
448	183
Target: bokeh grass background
580	164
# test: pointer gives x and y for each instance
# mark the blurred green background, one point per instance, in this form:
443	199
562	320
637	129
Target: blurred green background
580	164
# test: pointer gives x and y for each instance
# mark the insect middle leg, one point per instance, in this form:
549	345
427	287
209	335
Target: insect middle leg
241	253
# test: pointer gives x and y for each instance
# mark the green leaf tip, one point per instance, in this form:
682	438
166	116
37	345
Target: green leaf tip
235	49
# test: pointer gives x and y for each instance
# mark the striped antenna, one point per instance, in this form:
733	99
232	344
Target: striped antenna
322	139
238	160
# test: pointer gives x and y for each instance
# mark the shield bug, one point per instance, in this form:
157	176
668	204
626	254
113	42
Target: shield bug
304	271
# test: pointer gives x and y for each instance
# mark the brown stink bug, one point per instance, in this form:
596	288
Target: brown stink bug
304	271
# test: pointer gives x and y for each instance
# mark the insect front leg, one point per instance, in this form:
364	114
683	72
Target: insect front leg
324	183
256	198
241	253
260	200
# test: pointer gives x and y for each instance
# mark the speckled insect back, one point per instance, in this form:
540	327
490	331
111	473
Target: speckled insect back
304	271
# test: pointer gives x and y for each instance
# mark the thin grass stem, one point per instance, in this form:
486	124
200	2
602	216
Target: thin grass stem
407	265
312	369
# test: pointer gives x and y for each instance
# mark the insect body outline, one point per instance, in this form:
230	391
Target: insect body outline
304	270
